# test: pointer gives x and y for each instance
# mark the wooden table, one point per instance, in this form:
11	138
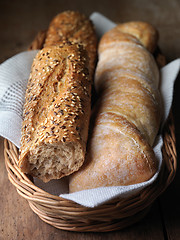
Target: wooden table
19	23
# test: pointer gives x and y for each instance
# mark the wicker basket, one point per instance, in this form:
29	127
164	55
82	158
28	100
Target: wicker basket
117	214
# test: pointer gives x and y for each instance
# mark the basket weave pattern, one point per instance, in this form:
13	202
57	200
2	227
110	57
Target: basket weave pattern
114	215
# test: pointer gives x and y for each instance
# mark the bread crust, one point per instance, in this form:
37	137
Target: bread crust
74	27
128	113
141	33
57	106
58	99
117	155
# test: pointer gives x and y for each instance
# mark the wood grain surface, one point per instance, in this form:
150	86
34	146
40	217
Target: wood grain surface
20	21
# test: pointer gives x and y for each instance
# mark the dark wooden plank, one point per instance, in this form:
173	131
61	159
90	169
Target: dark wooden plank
21	20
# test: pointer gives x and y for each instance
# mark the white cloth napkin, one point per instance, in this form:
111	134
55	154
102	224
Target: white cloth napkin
14	74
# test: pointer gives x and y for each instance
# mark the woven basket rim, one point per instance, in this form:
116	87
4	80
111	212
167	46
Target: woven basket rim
113	215
121	212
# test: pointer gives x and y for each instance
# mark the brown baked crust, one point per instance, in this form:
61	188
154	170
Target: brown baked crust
58	99
143	31
74	27
128	112
117	155
56	112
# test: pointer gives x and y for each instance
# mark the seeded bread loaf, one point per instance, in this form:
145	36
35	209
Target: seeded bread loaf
57	105
56	113
128	114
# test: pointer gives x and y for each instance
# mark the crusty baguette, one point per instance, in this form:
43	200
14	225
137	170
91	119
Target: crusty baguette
58	102
128	113
56	113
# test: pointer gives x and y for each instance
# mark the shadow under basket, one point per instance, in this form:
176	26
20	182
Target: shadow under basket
116	214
